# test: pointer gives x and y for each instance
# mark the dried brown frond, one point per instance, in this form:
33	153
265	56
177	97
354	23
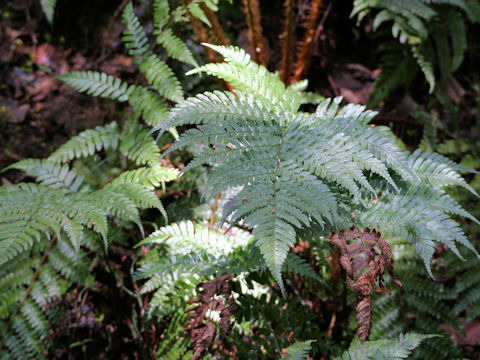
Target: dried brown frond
287	43
214	295
305	47
358	258
251	8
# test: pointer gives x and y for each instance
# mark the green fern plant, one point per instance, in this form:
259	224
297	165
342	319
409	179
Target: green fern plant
75	214
298	169
431	34
384	349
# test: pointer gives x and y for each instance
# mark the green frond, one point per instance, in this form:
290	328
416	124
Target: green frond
161	14
144	102
151	177
299	350
197	12
247	76
139	146
26	211
48	7
427	67
385	349
420	215
295	264
175	47
117	203
473	10
186	237
98	84
437	170
391	78
28	333
30	213
161	78
50	174
71	264
134	36
87	143
458	37
149	105
210	106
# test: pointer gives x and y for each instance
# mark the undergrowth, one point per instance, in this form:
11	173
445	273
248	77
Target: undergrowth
294	233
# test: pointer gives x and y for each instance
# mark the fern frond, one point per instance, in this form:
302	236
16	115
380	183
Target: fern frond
87	143
50	174
161	14
98	84
197	12
134	196
28	210
175	47
385	349
437	170
298	351
419	215
458	38
162	78
427	67
48	7
140	147
24	321
247	76
150	177
297	265
186	237
134	36
149	105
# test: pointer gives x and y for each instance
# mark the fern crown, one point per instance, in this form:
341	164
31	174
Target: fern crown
296	169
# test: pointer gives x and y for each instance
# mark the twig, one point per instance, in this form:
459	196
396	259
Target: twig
287	46
304	53
255	30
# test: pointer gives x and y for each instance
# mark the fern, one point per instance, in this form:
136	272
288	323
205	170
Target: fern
298	351
134	36
422	26
162	78
161	13
139	146
48	7
175	47
292	165
87	143
50	174
25	321
385	349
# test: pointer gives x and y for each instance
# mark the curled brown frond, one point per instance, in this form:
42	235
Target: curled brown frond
367	265
213	296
